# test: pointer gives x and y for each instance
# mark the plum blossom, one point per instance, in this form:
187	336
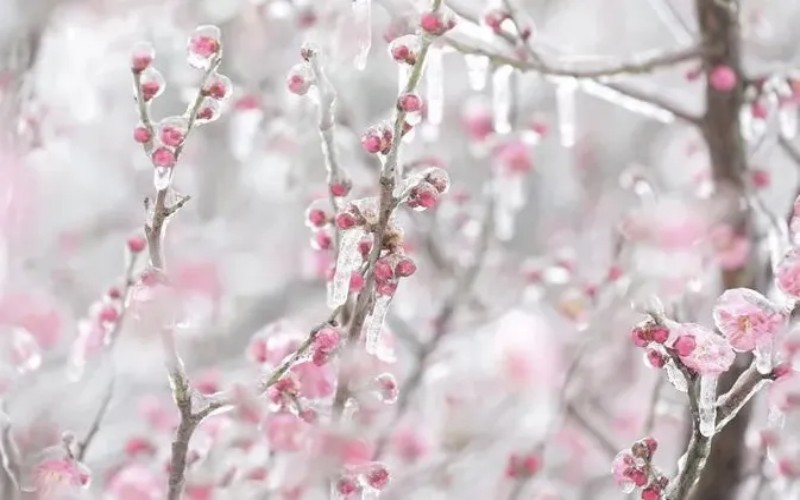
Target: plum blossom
745	317
712	354
56	475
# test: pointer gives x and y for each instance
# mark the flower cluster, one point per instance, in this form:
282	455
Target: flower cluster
633	468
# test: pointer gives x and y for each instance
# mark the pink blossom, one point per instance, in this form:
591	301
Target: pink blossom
136	482
53	477
788	273
315	381
621	468
712	354
746	317
286	432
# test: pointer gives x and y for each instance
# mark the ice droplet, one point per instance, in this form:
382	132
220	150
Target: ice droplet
477	71
434	86
675	377
501	99
362	24
375	324
565	100
348	261
764	354
162	177
707	405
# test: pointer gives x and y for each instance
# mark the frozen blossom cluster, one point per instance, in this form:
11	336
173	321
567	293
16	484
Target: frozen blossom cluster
399	249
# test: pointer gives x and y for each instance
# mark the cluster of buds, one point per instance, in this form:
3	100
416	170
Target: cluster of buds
319	220
374	476
326	342
654	337
388	271
285	391
633	469
437	22
523	466
425	194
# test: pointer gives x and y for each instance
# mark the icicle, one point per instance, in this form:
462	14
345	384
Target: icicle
675	377
348	261
162	177
752	128
765	355
477	71
434	86
787	119
362	14
707	405
501	99
375	323
509	193
403	71
565	100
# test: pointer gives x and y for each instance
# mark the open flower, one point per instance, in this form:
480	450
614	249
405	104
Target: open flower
712	354
745	318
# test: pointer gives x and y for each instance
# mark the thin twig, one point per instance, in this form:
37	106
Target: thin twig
84	444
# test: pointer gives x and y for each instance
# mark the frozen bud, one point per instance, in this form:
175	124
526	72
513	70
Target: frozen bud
377	139
136	243
405	49
299	79
438	22
639	336
340	188
530	465
321	240
722	78
405	267
387	388
685	345
439	179
139	446
651	444
204	46
377	477
659	334
383	270
152	84
346	220
163	157
347	486
114	293
760	178
782	370
108	314
316	217
356	282
651	493
410	102
494	18
218	87
309	415
141	134
208	111
656	359
327	339
759	109
386	288
172	131
142	56
423	196
638	477
365	247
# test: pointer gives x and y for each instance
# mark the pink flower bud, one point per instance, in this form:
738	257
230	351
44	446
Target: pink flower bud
760	178
141	134
218	87
322	240
365	247
208	112
317	217
327	339
347	486
383	270
142	56
163	157
341	188
423	196
300	79
386	288
356	282
345	220
377	139
659	334
405	267
152	84
439	179
136	243
437	23
404	49
172	131
759	110
494	19
685	345
651	443
639	337
114	293
782	370
723	78
108	314
204	45
638	477
410	103
387	388
378	477
651	493
656	359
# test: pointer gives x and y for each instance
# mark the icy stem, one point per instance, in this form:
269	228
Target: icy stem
347	262
375	324
362	14
162	177
434	86
565	100
477	71
675	377
764	354
707	404
501	99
